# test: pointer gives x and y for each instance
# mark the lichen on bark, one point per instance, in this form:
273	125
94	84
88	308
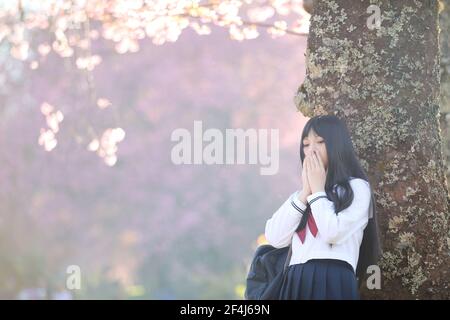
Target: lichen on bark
385	84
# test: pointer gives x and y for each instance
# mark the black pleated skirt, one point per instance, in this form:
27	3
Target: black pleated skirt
320	279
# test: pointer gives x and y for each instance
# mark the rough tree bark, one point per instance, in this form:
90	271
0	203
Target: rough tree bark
385	84
444	39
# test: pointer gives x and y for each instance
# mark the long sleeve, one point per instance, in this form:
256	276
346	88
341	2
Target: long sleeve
337	228
281	226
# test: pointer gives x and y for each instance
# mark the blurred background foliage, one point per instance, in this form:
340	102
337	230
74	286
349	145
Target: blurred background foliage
143	228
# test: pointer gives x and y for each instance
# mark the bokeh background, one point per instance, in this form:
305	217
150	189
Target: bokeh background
138	226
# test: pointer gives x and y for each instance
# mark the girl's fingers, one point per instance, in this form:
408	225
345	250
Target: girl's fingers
319	161
314	160
310	163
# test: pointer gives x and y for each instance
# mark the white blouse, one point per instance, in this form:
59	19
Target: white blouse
344	231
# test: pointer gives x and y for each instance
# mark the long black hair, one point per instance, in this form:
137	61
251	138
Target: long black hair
343	165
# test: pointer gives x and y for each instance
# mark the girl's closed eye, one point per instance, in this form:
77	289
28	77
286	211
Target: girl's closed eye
305	145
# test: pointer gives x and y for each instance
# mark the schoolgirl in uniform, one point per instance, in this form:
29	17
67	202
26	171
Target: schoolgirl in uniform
331	221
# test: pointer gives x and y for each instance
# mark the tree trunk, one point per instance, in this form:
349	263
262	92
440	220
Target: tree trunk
385	84
444	39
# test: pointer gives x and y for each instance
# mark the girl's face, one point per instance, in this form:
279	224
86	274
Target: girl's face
313	142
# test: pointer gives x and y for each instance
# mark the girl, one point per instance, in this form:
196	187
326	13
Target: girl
331	222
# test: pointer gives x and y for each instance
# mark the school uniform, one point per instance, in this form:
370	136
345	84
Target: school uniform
325	252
